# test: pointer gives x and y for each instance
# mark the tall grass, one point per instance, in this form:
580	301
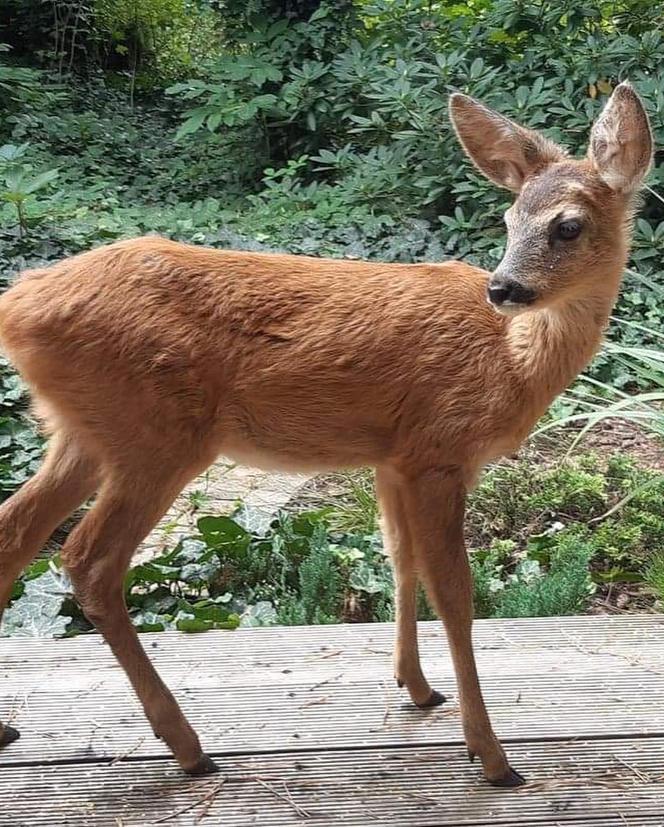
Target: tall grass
593	401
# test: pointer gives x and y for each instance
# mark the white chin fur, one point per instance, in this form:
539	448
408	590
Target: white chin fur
510	310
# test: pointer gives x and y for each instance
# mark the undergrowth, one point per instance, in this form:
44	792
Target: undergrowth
541	542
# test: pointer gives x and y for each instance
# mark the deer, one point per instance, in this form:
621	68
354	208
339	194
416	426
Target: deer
147	359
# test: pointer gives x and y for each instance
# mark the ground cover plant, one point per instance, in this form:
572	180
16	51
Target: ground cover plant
543	541
118	119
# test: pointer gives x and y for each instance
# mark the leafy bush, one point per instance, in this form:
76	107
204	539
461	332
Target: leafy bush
564	590
20	445
296	573
655	576
552	578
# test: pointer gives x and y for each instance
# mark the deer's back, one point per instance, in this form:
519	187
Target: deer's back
270	350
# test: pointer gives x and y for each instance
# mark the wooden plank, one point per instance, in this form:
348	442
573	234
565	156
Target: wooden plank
244	698
599	783
105	722
219	670
280	642
294	654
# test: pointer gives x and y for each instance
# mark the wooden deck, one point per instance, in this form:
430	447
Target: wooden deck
309	728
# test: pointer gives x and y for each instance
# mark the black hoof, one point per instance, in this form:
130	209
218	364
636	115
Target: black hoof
399	683
434	699
471	756
204	766
9	734
511	779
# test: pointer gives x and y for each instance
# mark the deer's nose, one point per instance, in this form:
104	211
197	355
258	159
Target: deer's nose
508	291
498	293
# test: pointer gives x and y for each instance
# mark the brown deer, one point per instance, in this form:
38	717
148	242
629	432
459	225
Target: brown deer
147	359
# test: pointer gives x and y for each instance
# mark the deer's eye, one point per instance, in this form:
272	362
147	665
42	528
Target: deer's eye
568	230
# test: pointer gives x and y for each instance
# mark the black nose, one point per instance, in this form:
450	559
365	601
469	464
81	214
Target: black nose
508	290
498	293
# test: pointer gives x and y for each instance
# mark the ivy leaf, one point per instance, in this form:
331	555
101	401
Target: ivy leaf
364	579
262	613
37	612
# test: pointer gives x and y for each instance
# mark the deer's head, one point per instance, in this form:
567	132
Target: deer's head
569	225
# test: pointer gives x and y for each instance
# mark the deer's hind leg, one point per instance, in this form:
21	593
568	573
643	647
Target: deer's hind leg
407	668
67	477
97	555
434	504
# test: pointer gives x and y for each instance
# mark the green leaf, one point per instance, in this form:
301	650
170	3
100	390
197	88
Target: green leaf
476	68
321	12
218	532
37	612
40	181
262	613
193	123
364	579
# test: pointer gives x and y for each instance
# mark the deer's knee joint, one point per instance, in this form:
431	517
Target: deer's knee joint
98	597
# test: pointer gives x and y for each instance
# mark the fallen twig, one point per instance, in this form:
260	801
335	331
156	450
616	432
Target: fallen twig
314	701
547	784
128	752
193	804
642	776
207	802
387	704
331	654
327	680
287	798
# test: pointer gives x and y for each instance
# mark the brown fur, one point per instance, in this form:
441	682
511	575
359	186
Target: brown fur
150	358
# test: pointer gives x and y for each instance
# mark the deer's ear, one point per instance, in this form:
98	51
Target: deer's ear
621	144
502	150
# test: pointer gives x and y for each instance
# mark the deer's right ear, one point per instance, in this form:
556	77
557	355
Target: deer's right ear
505	152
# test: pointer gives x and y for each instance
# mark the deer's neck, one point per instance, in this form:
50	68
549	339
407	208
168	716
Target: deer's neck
550	347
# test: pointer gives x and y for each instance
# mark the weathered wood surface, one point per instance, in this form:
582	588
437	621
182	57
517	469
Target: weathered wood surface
309	728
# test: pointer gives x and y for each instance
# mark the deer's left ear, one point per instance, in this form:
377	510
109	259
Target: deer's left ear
621	144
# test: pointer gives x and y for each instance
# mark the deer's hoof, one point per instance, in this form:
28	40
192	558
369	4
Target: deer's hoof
204	766
434	699
511	779
8	735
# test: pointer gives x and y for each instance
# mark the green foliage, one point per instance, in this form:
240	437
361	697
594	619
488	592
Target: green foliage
564	589
21	86
140	44
619	506
655	576
296	573
18	181
156	41
38	611
357	513
548	562
20	446
591	402
550	577
321	128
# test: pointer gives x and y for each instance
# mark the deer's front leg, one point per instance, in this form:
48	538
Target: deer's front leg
434	504
407	668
